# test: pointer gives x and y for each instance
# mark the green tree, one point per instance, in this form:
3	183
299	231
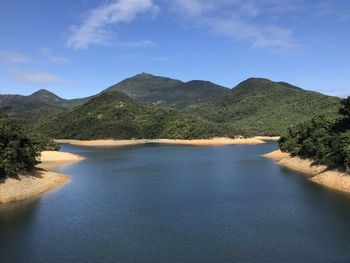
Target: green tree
345	109
323	139
17	153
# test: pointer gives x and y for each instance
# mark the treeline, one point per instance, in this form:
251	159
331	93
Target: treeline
18	151
323	139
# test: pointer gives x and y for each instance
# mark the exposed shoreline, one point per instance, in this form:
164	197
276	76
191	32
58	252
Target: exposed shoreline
220	141
268	138
39	181
320	174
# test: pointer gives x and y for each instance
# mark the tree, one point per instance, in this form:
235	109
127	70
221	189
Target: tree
17	153
325	140
345	109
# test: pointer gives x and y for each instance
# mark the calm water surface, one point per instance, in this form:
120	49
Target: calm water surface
159	203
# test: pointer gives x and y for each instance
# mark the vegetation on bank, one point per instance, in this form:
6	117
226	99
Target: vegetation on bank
18	151
323	139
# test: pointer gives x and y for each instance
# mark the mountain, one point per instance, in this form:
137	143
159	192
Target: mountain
26	110
115	115
261	106
256	106
168	92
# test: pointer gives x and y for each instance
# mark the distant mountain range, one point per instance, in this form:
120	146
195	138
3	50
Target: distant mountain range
26	110
255	106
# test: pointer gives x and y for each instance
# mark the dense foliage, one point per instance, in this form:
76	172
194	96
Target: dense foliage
42	142
117	116
324	139
17	153
263	107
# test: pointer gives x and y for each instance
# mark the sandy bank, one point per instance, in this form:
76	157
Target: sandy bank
212	142
268	138
319	174
33	184
276	155
200	142
30	185
54	156
302	165
63	141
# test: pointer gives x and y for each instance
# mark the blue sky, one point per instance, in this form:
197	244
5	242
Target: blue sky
77	48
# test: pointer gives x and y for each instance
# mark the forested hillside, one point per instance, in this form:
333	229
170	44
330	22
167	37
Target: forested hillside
116	115
254	107
26	110
260	106
323	139
157	90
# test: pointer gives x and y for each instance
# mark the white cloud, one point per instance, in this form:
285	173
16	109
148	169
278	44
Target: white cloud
193	7
253	21
13	57
96	27
30	77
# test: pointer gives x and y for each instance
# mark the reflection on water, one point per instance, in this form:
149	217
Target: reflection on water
162	203
11	214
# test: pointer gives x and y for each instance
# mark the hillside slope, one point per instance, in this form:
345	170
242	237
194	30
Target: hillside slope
261	106
254	107
25	110
114	115
168	92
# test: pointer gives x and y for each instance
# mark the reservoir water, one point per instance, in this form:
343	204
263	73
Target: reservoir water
162	203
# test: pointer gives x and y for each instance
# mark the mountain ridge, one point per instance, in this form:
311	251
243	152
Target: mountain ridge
157	90
255	106
261	106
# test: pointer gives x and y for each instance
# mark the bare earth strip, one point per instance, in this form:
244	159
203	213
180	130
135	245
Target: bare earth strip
39	181
268	138
276	155
200	142
64	157
319	174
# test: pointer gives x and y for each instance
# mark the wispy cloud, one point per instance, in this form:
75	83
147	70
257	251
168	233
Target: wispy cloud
59	60
253	21
138	44
96	27
14	57
48	54
30	77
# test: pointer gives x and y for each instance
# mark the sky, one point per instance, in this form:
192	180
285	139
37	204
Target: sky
78	48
